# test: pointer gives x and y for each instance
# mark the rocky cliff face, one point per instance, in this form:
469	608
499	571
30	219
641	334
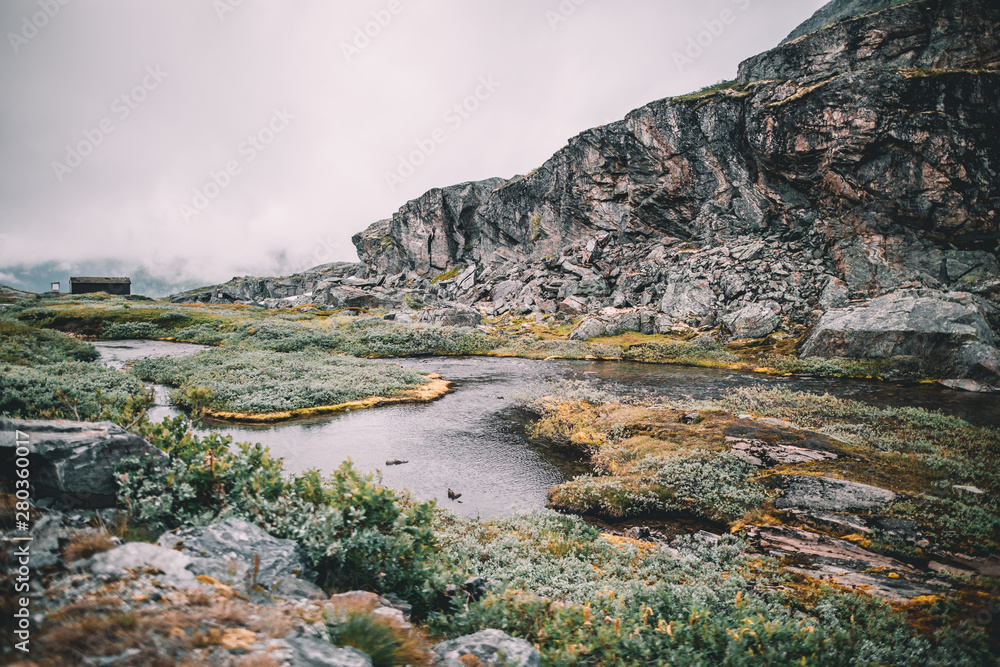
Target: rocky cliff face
854	160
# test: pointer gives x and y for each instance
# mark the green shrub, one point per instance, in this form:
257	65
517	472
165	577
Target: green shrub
133	331
589	600
259	381
359	535
714	485
679	352
63	390
386	645
29	346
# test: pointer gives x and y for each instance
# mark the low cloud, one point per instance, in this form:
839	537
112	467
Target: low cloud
196	81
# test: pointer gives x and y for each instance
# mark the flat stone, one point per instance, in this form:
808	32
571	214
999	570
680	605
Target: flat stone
73	461
770	455
176	569
312	652
492	648
830	495
967	385
753	321
844	563
841	524
236	542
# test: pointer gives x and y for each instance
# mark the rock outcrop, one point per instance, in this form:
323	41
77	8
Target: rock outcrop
953	328
246	553
856	159
490	648
71	461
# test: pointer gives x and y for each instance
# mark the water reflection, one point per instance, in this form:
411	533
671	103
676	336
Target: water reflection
472	441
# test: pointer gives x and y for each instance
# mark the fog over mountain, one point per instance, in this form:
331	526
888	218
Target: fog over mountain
184	142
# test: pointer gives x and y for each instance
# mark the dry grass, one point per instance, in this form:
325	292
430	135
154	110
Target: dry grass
8	511
181	630
85	544
387	643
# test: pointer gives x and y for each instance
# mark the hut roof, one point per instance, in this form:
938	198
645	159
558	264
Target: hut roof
101	280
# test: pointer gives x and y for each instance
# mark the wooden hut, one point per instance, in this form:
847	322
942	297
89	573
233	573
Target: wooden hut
117	286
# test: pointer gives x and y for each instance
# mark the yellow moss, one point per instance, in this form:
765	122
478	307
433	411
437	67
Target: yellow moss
624	542
435	388
800	93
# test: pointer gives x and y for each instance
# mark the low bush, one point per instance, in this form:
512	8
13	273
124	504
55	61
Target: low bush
63	390
680	353
585	599
386	644
133	330
258	381
358	534
713	485
25	345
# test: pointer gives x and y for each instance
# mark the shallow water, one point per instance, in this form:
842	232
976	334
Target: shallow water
120	353
472	440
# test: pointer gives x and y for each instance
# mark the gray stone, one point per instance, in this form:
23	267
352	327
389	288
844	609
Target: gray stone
73	460
949	328
844	563
839	524
176	569
980	362
965	269
967	385
235	543
505	290
47	536
590	327
683	300
294	587
824	494
623	322
476	587
764	454
451	315
467	279
753	321
492	648
593	286
313	652
835	295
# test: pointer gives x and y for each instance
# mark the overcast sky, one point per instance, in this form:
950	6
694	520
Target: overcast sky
116	114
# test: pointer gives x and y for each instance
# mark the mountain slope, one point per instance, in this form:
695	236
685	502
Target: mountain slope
852	162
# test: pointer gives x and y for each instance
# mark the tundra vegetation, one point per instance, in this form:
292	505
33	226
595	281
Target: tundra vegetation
582	596
353	332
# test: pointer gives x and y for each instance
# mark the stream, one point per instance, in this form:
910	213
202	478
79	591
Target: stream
472	441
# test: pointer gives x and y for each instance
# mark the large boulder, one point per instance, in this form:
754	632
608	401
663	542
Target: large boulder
753	321
451	315
683	300
235	543
590	327
72	460
949	328
825	494
491	648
